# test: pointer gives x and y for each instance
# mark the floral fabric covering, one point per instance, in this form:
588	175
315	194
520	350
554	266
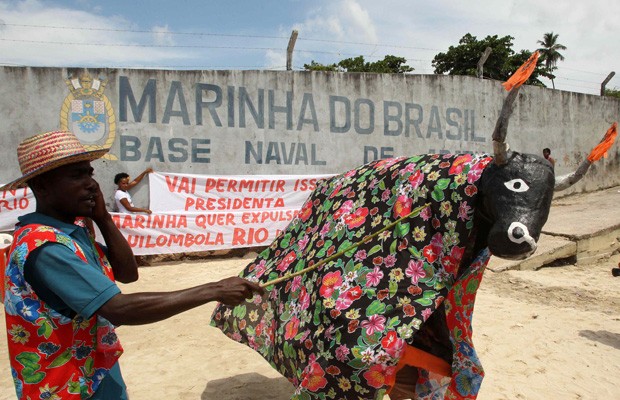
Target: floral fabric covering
338	332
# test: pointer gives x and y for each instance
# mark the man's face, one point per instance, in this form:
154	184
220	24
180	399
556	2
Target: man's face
67	192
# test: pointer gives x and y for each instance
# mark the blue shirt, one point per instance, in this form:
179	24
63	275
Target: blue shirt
59	278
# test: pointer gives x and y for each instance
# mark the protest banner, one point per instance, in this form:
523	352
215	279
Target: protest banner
193	213
14	203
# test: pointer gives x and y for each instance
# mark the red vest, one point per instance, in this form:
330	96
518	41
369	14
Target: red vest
51	354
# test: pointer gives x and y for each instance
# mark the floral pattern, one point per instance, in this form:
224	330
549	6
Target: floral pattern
52	356
339	331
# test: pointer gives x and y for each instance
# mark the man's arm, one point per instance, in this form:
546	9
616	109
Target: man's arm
144	308
120	254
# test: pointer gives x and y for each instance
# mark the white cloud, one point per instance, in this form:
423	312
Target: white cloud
27	39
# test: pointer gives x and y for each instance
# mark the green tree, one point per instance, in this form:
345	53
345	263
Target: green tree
615	92
389	65
503	61
549	53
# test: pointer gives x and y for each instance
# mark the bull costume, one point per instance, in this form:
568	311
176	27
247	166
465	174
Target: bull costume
404	299
340	332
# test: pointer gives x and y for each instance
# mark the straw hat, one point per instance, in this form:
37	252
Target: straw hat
49	150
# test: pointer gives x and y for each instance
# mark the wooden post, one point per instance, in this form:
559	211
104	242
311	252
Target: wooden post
611	75
482	60
289	50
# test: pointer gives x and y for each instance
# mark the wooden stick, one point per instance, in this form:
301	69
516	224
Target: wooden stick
365	239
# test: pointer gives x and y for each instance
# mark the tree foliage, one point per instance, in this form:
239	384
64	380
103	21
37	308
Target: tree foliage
389	64
549	53
503	61
615	92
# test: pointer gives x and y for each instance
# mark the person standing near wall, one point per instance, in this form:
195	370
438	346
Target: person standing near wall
60	295
547	155
122	198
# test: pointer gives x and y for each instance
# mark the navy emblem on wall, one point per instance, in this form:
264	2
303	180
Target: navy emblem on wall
88	113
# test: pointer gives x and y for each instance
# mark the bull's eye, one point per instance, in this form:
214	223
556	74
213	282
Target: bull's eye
517	185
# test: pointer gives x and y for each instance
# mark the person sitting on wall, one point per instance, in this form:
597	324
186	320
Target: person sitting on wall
61	299
122	198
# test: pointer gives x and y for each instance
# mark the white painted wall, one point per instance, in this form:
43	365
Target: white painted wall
268	122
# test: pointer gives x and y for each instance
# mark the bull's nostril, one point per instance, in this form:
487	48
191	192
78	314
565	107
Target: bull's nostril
518	233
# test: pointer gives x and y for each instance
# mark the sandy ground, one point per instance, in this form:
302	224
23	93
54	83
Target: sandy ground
547	334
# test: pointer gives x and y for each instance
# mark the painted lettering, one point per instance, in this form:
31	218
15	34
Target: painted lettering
177	149
281	153
125	94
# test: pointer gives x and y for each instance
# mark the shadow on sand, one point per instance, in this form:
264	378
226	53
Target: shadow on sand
604	337
250	386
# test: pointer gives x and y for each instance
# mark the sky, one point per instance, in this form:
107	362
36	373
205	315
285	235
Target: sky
254	34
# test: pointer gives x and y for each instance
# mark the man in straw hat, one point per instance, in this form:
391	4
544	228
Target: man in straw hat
60	297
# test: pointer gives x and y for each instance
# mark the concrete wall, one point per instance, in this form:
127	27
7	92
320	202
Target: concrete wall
266	122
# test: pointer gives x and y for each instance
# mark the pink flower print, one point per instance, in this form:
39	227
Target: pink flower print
374	277
303	243
360	255
344	209
385	196
390	260
392	344
475	172
286	261
260	269
375	323
416	179
415	270
296	283
426	313
425	214
464	210
342	352
304	298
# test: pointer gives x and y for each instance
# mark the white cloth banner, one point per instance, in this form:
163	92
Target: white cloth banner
14	203
194	213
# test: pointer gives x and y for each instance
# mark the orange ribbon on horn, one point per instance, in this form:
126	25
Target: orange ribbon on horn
601	149
523	73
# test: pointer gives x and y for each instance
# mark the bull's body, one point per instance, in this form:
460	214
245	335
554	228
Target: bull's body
340	331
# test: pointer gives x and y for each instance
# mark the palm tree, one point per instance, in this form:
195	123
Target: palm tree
549	51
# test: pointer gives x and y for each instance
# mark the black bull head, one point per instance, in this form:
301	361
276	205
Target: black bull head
516	198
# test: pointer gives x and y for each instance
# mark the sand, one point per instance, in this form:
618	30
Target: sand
547	334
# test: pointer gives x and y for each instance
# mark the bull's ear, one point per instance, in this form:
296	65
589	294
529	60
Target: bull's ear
565	181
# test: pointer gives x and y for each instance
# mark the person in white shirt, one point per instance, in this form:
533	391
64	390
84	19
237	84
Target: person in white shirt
122	198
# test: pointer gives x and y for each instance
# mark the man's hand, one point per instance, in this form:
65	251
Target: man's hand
99	211
234	290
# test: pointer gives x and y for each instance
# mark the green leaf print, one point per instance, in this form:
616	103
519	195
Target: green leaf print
31	372
375	249
45	329
239	311
62	359
376	307
427	298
